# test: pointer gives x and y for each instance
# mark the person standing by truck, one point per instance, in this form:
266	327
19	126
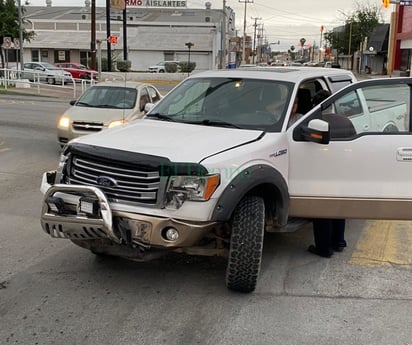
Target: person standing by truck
329	234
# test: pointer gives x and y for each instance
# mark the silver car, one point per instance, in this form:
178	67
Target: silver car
46	72
105	105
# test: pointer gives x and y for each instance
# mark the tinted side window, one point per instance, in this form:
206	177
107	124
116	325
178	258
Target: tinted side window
372	109
153	94
338	82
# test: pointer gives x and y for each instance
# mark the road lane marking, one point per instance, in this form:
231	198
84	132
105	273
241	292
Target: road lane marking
384	243
3	149
12	101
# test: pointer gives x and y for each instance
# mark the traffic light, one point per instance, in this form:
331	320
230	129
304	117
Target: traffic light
113	39
386	3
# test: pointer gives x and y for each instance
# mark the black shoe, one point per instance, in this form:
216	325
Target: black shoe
340	246
312	249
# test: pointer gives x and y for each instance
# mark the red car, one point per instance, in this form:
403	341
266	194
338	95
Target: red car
77	70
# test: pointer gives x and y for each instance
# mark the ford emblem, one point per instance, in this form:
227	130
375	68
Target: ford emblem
106	181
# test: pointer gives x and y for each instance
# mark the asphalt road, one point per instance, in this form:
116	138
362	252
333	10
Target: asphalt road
52	292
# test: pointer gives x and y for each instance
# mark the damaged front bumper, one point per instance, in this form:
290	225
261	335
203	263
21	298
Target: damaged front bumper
83	213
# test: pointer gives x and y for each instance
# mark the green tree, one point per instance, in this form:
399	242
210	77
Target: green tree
358	25
9	24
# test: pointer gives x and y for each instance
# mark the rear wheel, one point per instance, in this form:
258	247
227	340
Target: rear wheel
51	80
246	244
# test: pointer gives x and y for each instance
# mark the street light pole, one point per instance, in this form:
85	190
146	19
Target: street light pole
244	31
188	45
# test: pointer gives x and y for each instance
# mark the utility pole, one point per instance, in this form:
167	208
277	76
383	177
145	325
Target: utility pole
260	42
254	36
124	33
93	37
108	34
21	36
223	44
244	31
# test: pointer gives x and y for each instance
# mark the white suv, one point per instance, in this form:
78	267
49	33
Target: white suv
161	66
211	168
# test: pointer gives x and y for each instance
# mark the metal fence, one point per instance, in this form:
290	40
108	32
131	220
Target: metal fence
13	79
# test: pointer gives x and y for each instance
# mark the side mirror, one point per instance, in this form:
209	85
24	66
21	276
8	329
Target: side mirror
73	102
148	107
317	131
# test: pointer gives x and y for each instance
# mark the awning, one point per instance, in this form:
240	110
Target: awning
378	40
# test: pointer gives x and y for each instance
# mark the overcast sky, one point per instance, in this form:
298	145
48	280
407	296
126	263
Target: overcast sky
284	21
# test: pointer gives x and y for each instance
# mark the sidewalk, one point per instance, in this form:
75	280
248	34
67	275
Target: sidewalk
45	93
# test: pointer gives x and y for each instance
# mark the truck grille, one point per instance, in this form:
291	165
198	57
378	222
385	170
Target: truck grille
87	126
121	182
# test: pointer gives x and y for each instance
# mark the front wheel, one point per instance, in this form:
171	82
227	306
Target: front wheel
246	244
51	80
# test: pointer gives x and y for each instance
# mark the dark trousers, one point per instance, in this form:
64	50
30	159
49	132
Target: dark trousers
329	234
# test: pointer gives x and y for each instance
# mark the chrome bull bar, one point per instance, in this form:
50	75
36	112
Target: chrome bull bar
71	222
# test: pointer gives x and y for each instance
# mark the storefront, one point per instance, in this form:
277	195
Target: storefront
403	40
155	31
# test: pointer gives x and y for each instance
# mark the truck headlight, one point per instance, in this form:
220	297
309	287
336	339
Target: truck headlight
62	168
194	188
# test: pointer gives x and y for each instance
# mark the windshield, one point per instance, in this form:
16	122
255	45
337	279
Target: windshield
108	97
230	102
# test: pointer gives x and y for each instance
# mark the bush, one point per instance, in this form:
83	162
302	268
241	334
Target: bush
105	66
170	67
187	67
124	65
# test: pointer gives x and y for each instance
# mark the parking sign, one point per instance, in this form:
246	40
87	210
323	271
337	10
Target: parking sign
16	43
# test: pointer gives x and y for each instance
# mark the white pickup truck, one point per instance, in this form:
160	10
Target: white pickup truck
210	169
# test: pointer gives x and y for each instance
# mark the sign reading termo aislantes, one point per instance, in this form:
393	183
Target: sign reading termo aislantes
157	3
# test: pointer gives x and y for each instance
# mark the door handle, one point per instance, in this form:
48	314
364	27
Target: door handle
404	154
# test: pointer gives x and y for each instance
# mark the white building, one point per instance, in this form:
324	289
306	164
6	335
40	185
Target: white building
154	33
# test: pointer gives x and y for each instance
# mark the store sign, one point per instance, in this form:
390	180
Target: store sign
62	55
157	3
117	4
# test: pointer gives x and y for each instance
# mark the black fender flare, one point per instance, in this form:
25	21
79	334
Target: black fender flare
257	179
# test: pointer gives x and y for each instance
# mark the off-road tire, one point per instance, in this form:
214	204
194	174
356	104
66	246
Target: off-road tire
246	244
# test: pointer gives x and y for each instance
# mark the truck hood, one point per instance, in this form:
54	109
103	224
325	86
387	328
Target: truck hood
177	141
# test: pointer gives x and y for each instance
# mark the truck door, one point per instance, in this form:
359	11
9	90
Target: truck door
365	170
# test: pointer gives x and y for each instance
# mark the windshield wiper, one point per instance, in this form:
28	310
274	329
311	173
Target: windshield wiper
107	106
218	123
85	104
161	117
